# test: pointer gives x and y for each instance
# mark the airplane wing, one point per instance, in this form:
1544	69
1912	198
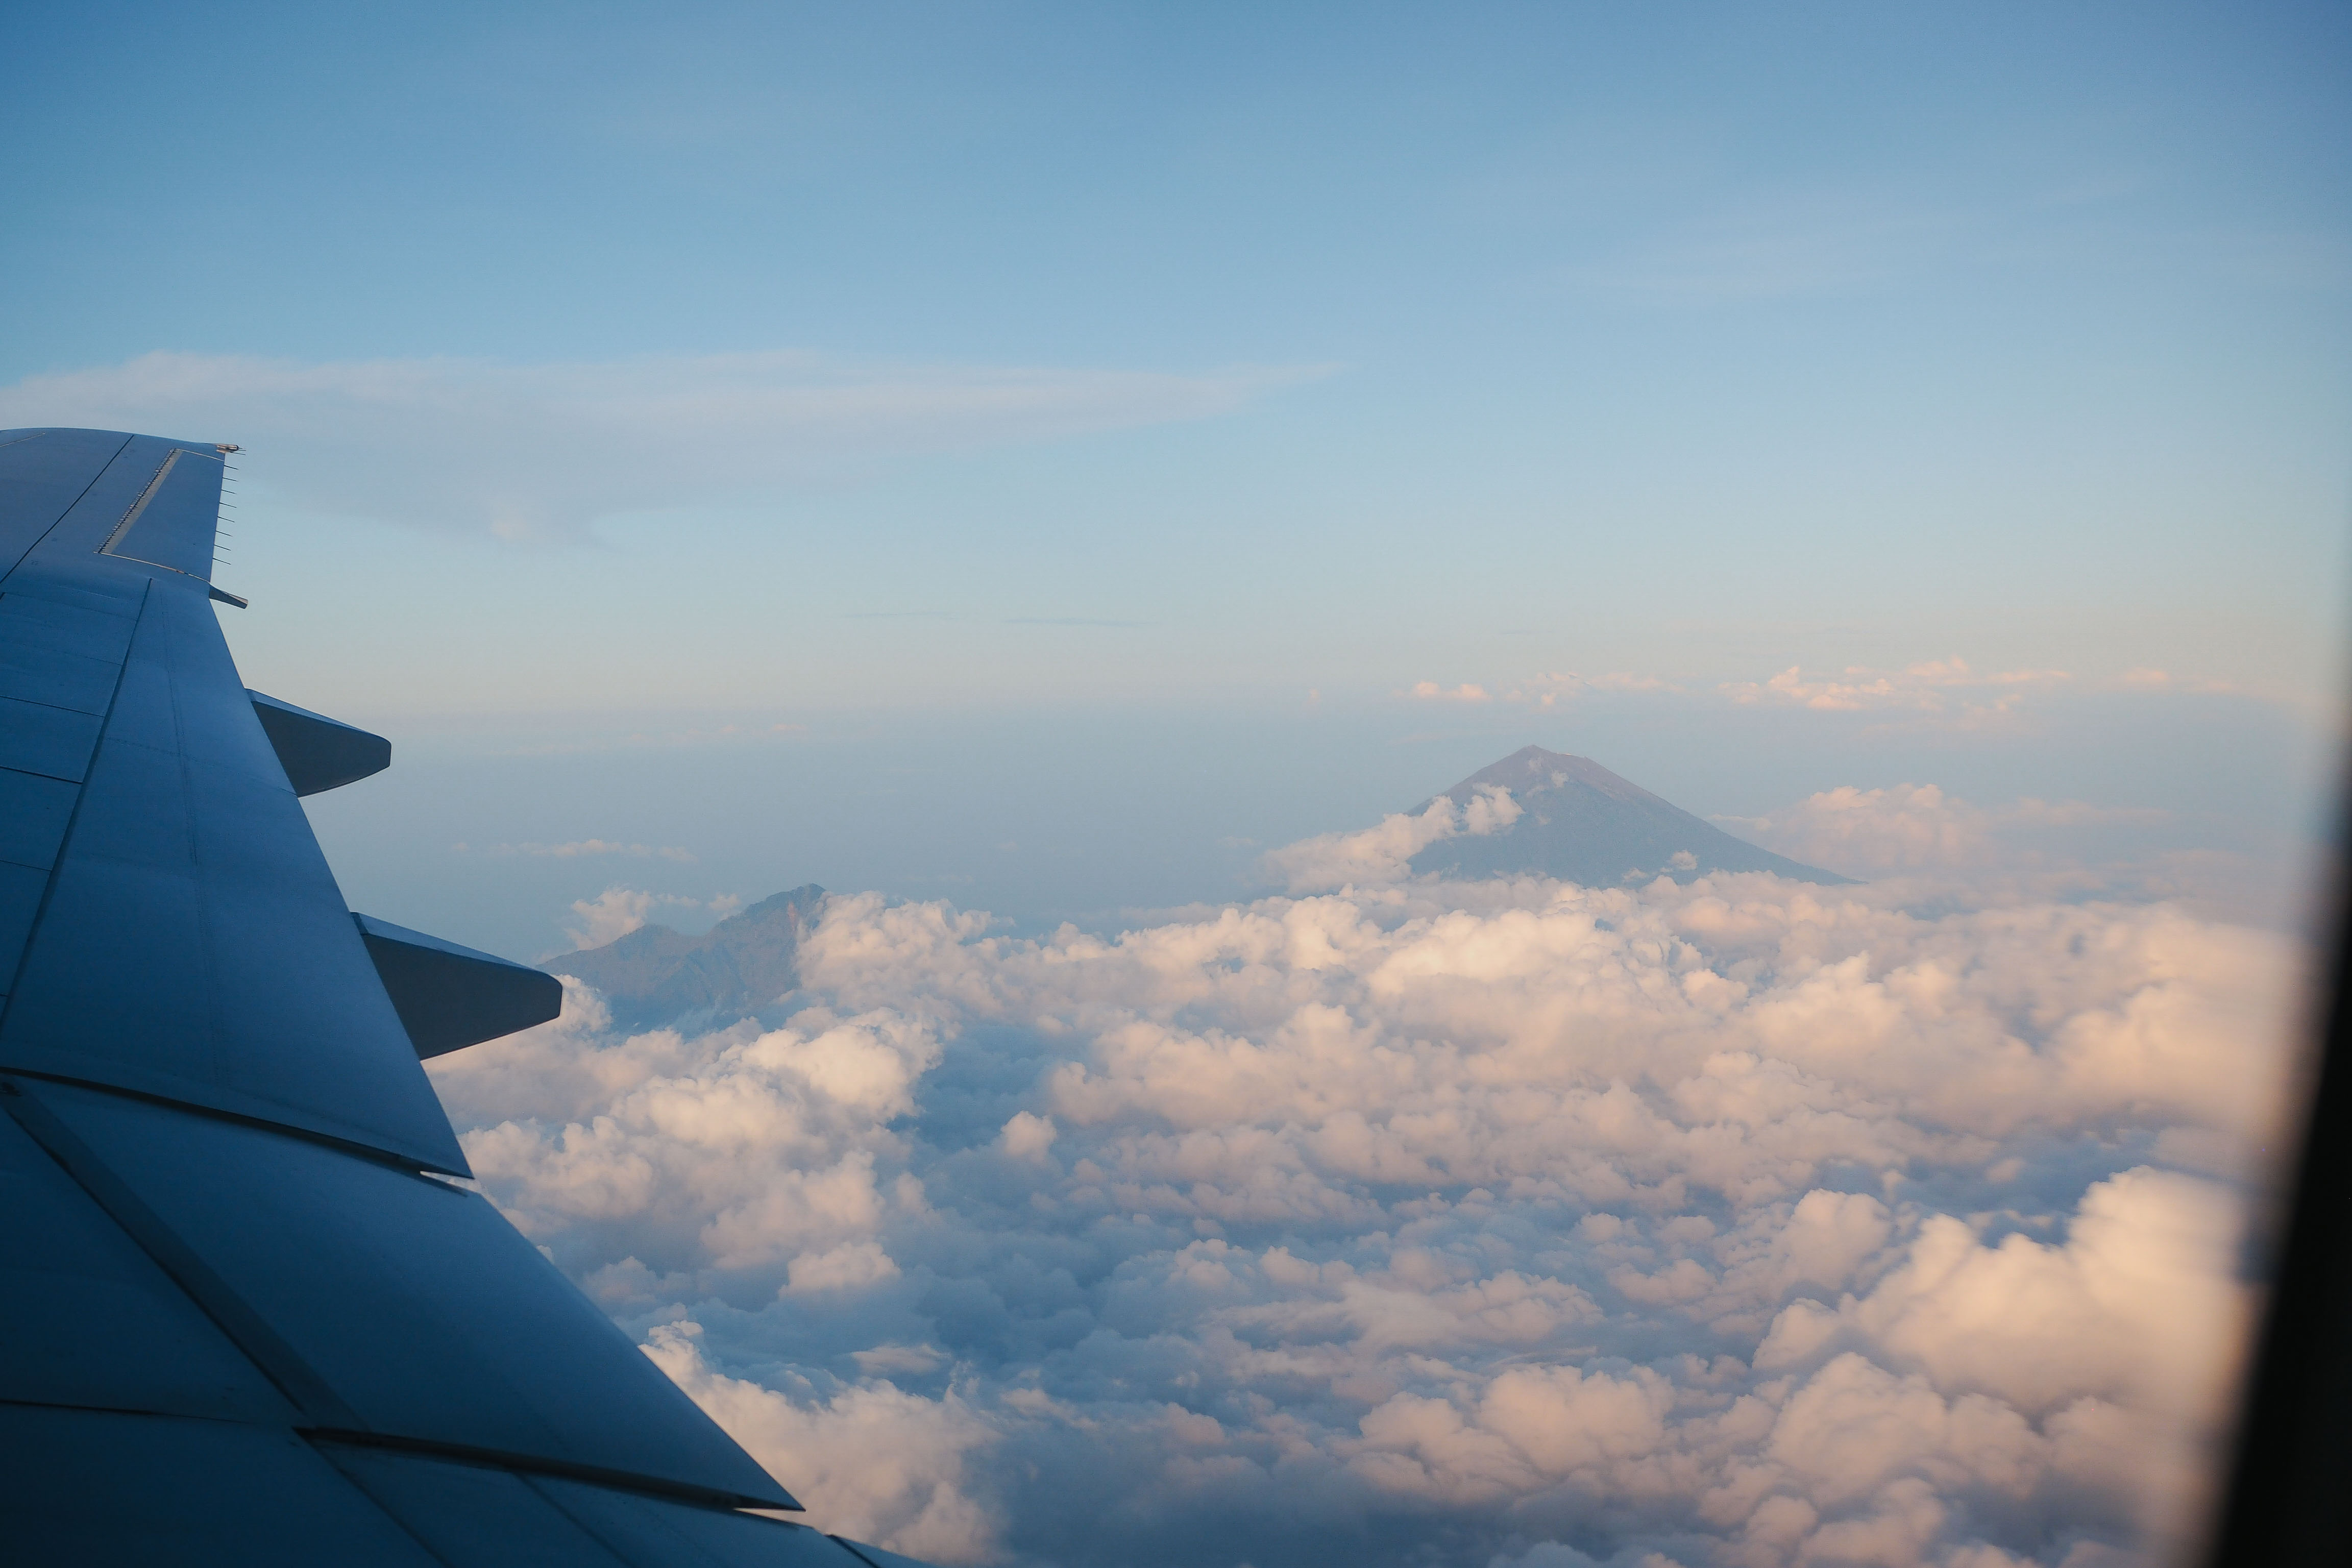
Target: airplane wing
248	1318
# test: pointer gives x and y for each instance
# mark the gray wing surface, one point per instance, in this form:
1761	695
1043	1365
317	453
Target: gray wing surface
247	1319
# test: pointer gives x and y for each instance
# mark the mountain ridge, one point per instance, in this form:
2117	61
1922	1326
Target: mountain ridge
1576	821
1581	823
745	962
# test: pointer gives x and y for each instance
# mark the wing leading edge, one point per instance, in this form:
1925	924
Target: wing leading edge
249	1321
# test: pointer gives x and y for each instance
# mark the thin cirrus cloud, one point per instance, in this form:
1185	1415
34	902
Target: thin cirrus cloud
1934	691
1543	691
1935	686
538	451
1912	827
581	847
1795	244
1730	1221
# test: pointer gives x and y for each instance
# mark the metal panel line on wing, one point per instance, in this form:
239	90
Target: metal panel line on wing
264	1330
186	859
44	474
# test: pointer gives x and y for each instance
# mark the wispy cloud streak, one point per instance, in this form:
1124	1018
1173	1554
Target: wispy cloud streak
540	451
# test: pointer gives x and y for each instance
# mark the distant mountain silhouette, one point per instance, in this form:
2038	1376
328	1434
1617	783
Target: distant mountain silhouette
1581	823
654	974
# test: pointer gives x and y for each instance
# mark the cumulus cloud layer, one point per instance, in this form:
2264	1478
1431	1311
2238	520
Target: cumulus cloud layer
616	911
1738	1223
1380	854
539	450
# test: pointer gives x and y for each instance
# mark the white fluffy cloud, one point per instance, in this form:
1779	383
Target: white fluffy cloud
537	450
1740	1222
616	911
1330	861
891	1463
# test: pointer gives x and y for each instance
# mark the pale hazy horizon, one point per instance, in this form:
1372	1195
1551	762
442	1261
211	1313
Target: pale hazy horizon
1070	481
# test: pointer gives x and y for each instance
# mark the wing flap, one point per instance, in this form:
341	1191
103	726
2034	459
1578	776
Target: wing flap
470	1515
650	1532
106	1487
412	1305
93	1320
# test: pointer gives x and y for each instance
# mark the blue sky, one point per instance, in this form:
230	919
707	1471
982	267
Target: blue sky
1028	408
